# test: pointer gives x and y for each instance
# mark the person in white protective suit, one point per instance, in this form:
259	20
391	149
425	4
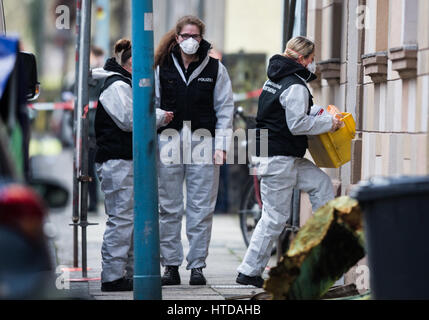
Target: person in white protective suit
287	114
114	164
197	88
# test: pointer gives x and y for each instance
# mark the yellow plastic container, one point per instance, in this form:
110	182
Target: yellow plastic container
332	150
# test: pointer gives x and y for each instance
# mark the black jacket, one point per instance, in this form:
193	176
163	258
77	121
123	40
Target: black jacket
192	101
282	73
112	142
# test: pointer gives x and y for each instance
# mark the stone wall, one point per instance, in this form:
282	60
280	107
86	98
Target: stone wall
373	60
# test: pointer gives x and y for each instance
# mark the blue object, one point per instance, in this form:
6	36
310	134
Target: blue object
8	54
147	278
102	36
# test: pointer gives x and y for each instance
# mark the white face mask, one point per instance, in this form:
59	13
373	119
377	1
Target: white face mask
312	67
190	46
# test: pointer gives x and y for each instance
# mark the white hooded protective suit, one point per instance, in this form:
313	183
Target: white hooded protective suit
201	180
116	182
281	174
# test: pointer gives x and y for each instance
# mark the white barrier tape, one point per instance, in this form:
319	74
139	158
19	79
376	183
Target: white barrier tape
247	95
69	105
50	106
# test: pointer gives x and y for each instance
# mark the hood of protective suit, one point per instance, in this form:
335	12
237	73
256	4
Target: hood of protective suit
110	68
281	67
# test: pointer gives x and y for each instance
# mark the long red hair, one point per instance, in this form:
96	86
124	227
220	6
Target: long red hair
168	41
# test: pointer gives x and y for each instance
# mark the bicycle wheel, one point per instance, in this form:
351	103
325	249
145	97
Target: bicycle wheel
250	212
285	240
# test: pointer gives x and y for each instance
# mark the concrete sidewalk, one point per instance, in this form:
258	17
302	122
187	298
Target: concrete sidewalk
226	252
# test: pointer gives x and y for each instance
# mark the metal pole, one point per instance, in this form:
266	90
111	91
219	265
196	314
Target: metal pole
83	108
291	21
147	279
303	28
296	199
288	30
202	9
2	19
286	9
289	8
296	202
102	36
76	134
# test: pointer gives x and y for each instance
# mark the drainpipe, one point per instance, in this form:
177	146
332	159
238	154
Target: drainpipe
76	140
288	20
201	9
82	123
303	28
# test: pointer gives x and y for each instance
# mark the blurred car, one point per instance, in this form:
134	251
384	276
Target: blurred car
26	268
26	271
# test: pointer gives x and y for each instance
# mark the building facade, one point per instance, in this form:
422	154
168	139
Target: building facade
167	12
373	61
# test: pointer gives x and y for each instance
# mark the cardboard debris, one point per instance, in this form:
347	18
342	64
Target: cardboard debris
326	247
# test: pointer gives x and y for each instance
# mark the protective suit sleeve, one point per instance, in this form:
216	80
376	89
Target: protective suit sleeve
157	89
295	101
224	108
160	114
160	117
317	110
117	100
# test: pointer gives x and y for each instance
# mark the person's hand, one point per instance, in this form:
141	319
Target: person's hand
219	157
336	124
168	117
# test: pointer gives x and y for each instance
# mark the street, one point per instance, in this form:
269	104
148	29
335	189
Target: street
227	248
324	103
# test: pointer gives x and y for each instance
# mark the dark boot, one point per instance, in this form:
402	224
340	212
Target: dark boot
122	284
253	281
197	277
171	276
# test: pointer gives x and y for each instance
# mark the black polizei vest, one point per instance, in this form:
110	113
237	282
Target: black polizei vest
193	101
112	142
271	116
